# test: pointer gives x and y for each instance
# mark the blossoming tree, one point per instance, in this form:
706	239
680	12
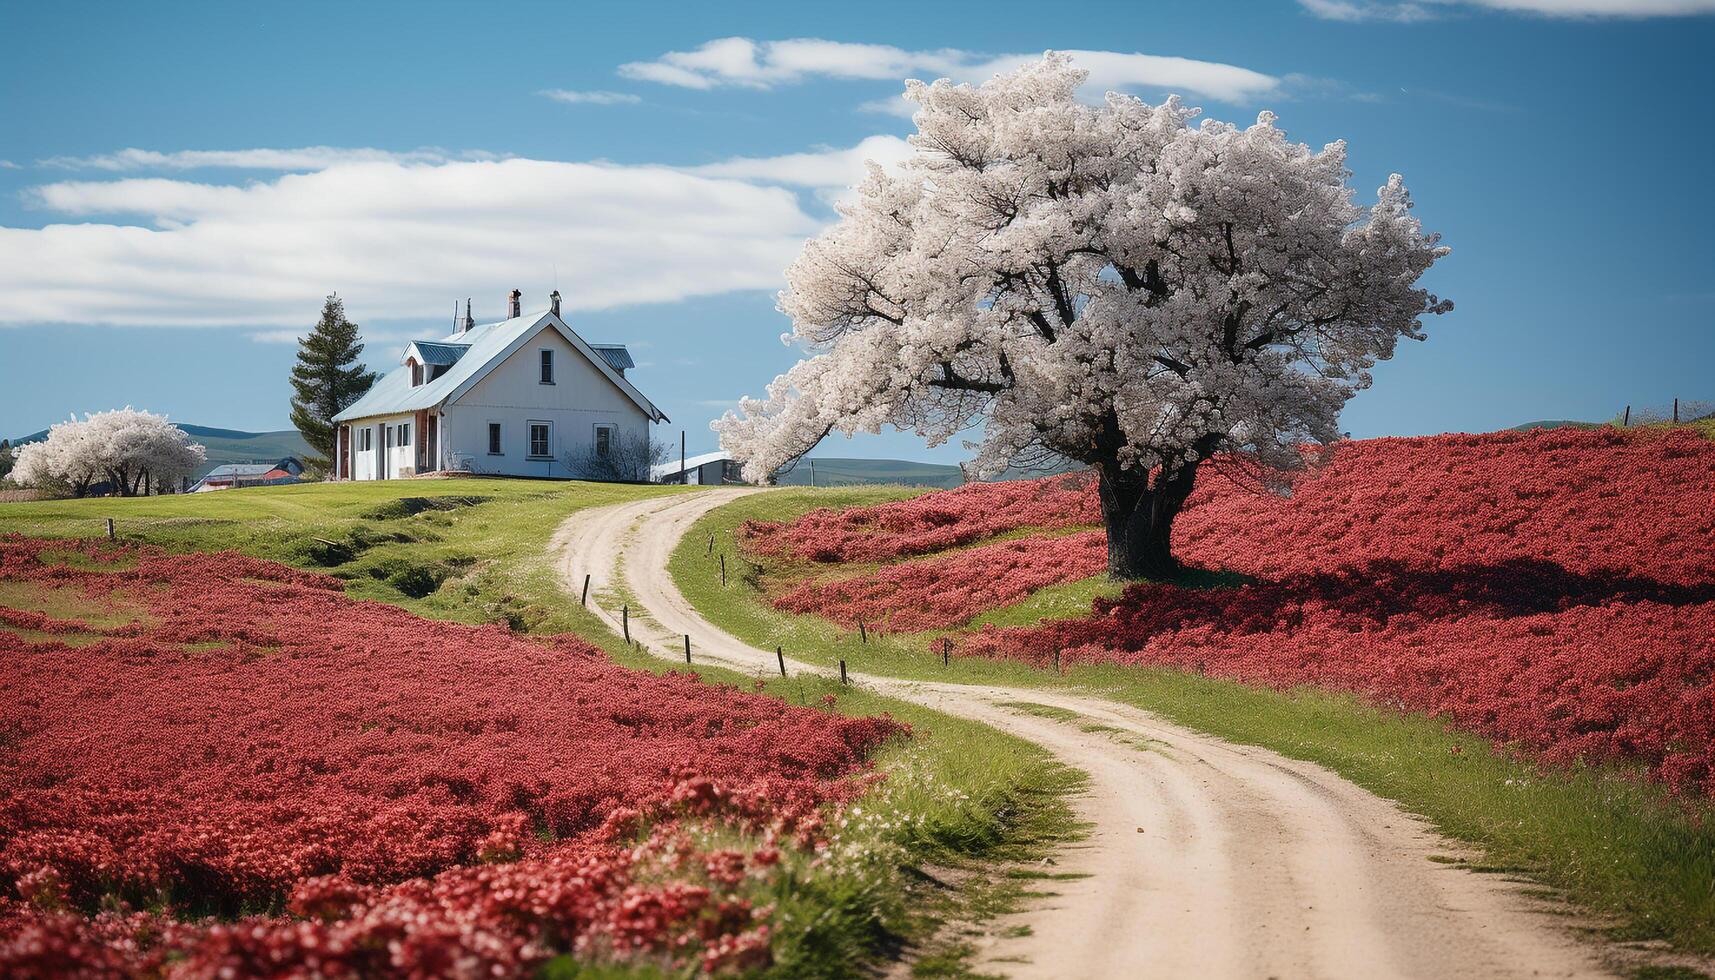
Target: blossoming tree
136	452
1106	284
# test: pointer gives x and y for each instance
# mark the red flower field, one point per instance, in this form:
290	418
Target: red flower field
947	590
929	523
259	774
1551	589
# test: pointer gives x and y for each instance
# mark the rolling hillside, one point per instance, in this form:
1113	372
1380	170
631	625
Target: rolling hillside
836	472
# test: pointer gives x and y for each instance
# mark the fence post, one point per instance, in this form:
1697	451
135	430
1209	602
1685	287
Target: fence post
782	658
1676	411
585	600
863	634
842	672
110	529
1056	660
711	544
625	621
723	569
946	652
687	648
1624	422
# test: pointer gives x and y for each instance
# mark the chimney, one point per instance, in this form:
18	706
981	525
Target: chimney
554	302
514	304
468	321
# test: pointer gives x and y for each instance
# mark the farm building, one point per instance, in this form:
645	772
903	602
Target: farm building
709	469
523	397
229	475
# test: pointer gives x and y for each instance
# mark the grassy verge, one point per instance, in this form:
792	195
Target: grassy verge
1608	841
938	840
470	551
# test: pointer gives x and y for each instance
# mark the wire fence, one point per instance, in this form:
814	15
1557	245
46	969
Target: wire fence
1680	410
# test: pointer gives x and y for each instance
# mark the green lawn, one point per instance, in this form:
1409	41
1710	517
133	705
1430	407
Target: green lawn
1607	840
960	800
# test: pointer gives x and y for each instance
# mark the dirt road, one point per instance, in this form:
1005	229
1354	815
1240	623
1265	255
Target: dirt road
1205	858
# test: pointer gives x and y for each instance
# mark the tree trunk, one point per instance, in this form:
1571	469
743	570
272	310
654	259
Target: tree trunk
1139	519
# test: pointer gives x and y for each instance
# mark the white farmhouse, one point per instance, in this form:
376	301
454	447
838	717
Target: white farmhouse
523	397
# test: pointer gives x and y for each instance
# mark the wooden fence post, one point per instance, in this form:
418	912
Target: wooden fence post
711	544
585	600
723	569
687	648
1056	660
946	652
842	672
625	621
1676	411
110	529
782	658
1627	420
863	634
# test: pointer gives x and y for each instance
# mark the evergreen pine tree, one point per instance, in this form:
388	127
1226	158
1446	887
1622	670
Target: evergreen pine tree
326	379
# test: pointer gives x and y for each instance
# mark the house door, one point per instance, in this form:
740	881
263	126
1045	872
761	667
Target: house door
381	452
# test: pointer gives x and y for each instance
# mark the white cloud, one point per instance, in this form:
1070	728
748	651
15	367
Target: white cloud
826	168
9	165
894	105
1416	10
397	240
740	61
591	98
288	335
301	158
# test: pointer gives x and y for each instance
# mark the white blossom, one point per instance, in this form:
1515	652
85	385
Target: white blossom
128	448
1111	284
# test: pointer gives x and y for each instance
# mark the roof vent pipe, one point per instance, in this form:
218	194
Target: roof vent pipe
469	321
554	302
514	305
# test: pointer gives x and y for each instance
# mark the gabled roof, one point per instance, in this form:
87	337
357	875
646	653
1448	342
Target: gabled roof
485	346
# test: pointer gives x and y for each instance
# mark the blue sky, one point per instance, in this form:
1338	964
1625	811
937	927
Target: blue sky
1563	152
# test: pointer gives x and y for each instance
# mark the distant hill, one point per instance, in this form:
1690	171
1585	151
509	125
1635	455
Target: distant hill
230	445
835	472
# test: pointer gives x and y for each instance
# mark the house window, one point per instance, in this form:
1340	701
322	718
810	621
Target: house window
390	435
547	367
538	440
603	440
416	374
365	439
494	439
404	434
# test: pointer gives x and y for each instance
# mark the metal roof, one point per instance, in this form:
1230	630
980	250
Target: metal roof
241	469
615	355
672	468
485	346
436	352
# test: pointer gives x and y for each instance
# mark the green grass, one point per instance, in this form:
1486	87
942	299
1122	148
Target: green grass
961	802
1602	836
471	563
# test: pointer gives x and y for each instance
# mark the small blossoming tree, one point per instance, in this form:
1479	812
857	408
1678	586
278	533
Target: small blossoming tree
135	452
1109	285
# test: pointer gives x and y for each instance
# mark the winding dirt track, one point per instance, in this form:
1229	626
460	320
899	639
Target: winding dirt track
1204	858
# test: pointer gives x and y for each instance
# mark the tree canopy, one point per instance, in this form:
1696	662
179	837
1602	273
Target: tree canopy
1110	285
134	452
